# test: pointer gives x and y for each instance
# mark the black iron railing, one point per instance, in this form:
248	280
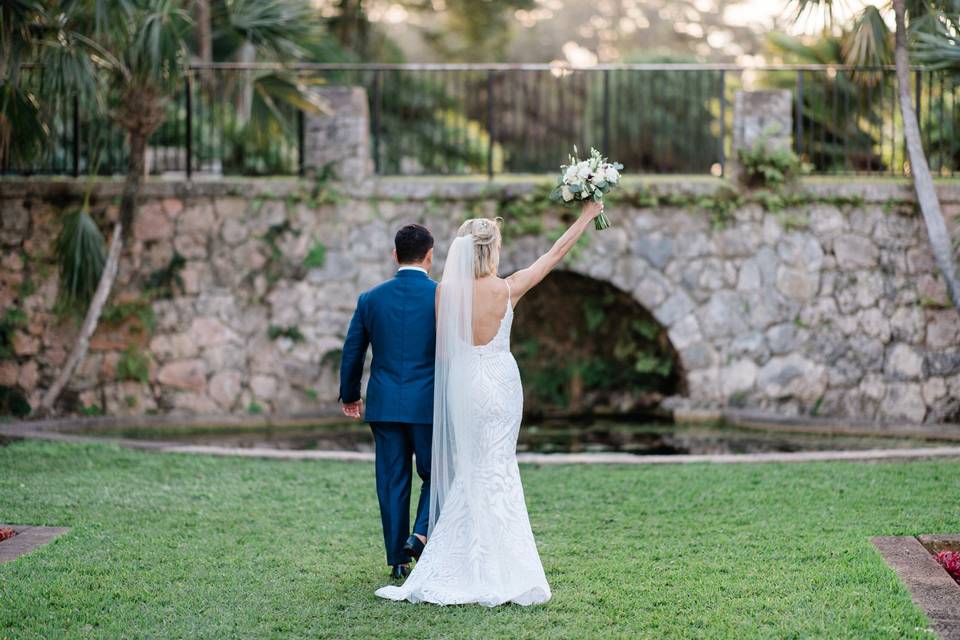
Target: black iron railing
233	119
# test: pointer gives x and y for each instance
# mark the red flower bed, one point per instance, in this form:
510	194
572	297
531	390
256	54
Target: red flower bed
951	562
6	532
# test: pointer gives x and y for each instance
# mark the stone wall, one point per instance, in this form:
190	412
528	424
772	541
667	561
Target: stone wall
831	306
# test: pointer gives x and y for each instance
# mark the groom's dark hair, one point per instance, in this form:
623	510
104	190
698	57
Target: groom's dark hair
413	242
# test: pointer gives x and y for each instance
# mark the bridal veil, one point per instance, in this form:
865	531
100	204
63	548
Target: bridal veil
454	436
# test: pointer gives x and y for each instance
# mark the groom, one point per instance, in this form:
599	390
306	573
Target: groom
396	318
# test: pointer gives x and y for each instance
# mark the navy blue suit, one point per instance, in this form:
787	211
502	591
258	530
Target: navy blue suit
396	319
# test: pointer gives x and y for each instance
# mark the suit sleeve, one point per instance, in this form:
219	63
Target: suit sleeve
354	355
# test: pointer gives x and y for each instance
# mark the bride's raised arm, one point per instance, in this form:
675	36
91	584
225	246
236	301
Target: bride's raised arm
526	279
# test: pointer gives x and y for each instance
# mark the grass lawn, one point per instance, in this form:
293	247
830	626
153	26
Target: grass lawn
177	546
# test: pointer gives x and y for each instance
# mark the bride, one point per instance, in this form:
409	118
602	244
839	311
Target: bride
480	547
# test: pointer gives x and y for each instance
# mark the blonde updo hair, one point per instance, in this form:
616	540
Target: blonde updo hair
486	242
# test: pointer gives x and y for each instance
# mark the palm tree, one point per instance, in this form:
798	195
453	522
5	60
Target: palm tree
931	18
130	57
848	136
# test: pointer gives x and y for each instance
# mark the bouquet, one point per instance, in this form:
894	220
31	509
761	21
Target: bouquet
588	179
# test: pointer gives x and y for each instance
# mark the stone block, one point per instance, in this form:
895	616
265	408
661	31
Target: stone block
792	376
340	138
190	375
904	401
225	387
152	223
903	363
759	114
855	252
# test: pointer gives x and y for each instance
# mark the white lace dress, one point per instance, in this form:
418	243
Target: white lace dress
485	555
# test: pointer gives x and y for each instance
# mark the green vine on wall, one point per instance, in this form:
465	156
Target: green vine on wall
134	365
275	332
138	312
12	321
166	281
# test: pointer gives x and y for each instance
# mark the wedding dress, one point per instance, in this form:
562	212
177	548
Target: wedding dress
481	547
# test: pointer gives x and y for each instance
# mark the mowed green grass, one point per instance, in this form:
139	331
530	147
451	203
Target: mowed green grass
178	546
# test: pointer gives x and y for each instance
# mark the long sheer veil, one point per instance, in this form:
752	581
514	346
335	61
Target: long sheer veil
453	435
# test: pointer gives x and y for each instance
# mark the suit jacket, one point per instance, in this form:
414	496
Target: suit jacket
397	319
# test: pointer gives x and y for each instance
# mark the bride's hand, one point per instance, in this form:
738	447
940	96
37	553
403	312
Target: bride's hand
591	209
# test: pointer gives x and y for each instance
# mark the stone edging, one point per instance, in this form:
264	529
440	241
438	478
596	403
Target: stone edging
758	420
588	458
438	187
766	421
22	430
931	588
27	539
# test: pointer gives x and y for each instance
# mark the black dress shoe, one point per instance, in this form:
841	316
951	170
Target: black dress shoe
399	572
414	547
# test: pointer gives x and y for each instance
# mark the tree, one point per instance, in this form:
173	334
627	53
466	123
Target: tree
849	137
934	19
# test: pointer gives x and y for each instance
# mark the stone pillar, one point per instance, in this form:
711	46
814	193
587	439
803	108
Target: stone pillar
340	138
761	113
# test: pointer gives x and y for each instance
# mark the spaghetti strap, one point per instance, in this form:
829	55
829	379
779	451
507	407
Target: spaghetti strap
509	293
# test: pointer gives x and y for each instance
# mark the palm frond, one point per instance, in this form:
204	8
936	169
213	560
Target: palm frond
869	42
824	50
936	35
810	8
280	26
290	89
23	131
157	50
81	253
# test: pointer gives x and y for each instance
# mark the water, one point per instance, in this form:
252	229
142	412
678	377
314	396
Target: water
545	437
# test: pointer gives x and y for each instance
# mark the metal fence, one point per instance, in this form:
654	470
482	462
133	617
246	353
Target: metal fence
233	119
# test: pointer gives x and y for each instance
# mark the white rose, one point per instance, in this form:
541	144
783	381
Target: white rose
612	175
571	173
583	170
566	194
598	177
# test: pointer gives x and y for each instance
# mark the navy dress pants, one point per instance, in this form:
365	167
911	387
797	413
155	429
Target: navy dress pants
396	443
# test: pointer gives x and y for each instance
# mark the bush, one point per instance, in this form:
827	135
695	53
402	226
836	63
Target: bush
134	365
764	167
12	320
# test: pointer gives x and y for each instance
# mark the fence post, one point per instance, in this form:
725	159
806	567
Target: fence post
918	80
189	125
76	136
798	143
301	164
723	120
490	123
375	99
606	111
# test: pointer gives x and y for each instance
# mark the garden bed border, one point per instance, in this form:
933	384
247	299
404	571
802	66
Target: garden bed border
931	587
27	539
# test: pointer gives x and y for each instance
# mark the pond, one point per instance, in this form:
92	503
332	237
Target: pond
640	438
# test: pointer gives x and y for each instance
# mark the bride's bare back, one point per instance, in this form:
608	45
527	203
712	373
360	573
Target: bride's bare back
491	294
489	305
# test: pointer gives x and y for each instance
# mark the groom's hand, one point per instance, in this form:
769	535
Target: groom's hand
352	409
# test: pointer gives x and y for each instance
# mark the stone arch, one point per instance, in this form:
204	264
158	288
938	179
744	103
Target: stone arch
594	340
